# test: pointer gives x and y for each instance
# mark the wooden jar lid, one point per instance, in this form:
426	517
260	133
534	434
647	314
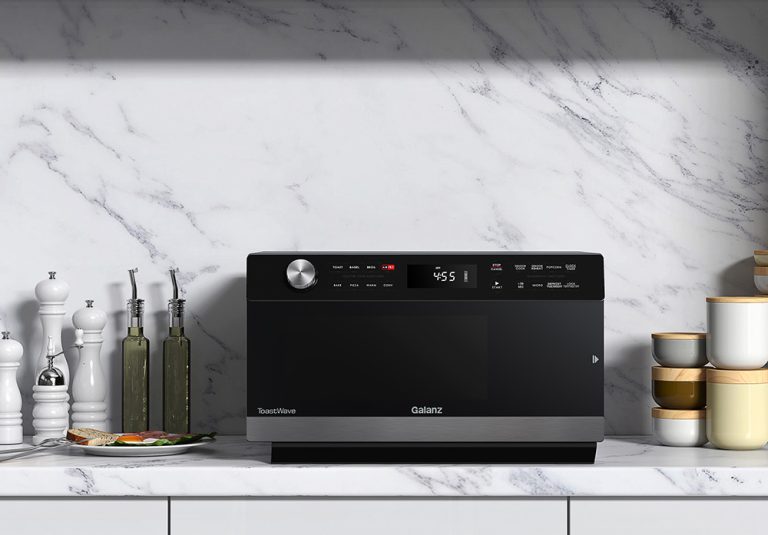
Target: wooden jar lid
679	336
761	270
761	251
669	414
662	373
735	377
742	299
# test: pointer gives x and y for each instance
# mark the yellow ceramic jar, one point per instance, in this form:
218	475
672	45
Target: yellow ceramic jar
737	408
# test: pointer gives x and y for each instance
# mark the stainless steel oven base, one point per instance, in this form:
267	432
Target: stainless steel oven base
430	453
338	429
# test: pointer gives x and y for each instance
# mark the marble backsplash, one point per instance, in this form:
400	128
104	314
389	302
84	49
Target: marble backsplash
156	133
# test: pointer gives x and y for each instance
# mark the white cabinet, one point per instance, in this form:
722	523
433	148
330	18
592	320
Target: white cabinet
638	516
384	516
203	516
80	516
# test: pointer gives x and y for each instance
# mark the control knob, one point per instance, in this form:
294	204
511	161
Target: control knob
301	274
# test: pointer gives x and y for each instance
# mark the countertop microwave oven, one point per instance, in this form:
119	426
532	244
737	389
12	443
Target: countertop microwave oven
425	357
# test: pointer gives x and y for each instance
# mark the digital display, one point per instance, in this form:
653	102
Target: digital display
442	276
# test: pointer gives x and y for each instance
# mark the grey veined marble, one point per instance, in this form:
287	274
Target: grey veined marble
625	466
153	133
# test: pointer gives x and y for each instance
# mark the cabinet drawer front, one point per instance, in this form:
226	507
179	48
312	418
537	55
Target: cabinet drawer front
72	516
369	516
702	516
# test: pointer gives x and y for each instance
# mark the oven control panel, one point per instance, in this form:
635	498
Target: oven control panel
425	276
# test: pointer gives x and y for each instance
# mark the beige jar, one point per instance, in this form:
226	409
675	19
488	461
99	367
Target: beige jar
737	408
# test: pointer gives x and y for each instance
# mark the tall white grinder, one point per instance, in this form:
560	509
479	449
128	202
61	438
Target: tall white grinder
10	395
52	294
89	386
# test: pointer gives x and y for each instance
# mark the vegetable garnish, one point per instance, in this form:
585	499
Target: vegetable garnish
164	439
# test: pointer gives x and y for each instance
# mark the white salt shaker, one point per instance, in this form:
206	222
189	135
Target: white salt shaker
10	396
52	294
50	415
89	388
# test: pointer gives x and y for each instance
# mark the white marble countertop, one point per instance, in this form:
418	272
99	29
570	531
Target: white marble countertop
625	466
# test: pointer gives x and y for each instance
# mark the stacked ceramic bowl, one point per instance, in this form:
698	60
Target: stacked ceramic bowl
737	386
679	388
761	271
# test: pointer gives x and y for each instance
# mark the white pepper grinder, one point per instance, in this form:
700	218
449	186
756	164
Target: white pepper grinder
89	387
11	352
50	415
52	293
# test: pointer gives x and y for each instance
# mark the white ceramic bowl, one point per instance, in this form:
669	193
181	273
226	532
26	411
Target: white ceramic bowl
680	428
680	350
737	332
761	257
761	279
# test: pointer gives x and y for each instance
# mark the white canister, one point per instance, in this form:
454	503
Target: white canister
679	428
737	332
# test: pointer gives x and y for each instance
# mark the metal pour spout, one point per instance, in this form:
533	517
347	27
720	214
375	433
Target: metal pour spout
173	281
134	291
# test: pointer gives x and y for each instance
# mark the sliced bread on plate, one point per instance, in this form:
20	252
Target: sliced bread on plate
91	437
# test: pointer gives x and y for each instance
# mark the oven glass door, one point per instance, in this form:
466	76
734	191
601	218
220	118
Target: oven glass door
405	358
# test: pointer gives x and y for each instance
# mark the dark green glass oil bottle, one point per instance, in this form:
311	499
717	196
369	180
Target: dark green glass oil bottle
135	367
176	367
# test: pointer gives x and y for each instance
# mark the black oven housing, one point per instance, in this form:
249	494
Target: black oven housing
427	356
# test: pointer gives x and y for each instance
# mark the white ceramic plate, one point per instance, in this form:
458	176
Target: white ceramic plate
139	451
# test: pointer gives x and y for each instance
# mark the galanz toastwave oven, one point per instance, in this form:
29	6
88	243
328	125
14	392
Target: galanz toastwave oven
426	357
